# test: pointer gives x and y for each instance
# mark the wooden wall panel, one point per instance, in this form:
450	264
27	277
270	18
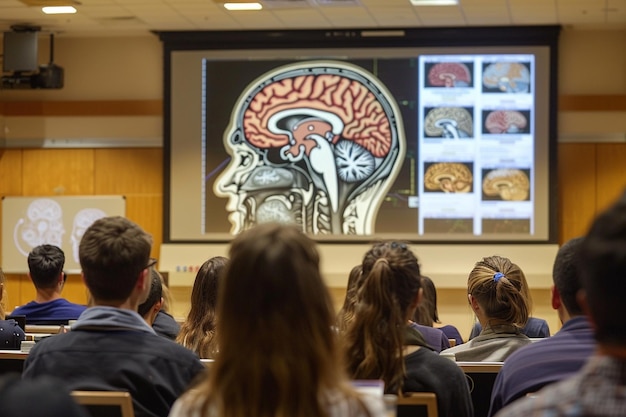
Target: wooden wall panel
58	172
129	171
147	211
10	176
577	188
10	172
611	173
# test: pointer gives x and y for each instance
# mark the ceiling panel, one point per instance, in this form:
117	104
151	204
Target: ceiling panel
200	14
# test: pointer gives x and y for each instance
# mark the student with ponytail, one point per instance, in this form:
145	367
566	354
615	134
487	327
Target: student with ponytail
381	344
497	295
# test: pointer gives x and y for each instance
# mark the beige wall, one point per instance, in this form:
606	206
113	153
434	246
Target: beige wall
113	92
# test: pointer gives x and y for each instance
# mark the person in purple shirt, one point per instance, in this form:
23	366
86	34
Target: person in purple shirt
555	358
45	265
428	315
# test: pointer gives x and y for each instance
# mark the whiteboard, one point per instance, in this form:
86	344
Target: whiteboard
28	222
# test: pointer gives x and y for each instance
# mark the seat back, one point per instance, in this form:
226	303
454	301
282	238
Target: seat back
481	377
105	403
417	404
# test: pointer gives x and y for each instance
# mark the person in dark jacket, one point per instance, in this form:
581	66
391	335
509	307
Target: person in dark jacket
111	347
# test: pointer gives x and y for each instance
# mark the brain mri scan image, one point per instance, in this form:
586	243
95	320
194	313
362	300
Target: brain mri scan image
316	144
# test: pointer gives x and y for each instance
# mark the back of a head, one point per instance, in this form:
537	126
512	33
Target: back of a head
602	258
155	294
427	314
113	251
277	349
346	314
566	275
205	287
198	331
499	287
376	337
45	263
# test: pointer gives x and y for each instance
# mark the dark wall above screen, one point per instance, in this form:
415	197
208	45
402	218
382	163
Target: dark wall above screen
428	135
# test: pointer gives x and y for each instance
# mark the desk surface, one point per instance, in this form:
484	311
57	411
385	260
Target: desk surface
13	354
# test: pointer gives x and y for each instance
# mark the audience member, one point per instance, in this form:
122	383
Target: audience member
346	313
496	295
42	397
278	354
381	344
427	314
11	334
598	388
152	305
110	346
164	324
534	327
555	358
45	265
435	339
198	331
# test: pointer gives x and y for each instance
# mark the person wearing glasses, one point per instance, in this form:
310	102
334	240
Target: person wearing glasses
45	266
110	346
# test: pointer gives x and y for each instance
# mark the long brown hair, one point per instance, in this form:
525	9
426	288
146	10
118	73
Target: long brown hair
376	338
278	355
346	314
2	294
501	290
198	331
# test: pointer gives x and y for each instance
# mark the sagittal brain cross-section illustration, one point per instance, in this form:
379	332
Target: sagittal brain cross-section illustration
317	144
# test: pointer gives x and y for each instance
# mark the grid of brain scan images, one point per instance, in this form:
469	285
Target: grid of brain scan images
476	144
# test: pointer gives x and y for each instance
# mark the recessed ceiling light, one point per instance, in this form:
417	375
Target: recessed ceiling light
58	10
434	2
243	6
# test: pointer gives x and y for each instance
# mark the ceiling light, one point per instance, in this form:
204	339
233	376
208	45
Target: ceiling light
434	2
58	10
243	6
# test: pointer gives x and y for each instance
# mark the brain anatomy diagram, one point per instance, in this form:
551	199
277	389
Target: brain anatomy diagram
508	184
449	74
449	177
505	121
449	122
43	225
508	77
326	127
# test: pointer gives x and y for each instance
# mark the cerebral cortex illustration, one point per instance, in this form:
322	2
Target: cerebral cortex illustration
316	144
449	122
505	121
43	224
449	177
507	77
507	184
449	74
82	220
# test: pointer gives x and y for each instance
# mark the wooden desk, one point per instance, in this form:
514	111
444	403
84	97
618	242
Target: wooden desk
12	361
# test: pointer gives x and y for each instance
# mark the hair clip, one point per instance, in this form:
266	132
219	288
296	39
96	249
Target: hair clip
497	276
395	245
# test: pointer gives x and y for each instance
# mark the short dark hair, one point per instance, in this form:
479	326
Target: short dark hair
113	252
155	294
566	275
45	263
602	259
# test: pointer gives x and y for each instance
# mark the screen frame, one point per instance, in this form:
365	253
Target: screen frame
497	36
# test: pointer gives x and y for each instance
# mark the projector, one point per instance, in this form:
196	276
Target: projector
48	77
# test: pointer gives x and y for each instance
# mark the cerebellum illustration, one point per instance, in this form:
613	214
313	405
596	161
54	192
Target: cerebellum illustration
315	143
